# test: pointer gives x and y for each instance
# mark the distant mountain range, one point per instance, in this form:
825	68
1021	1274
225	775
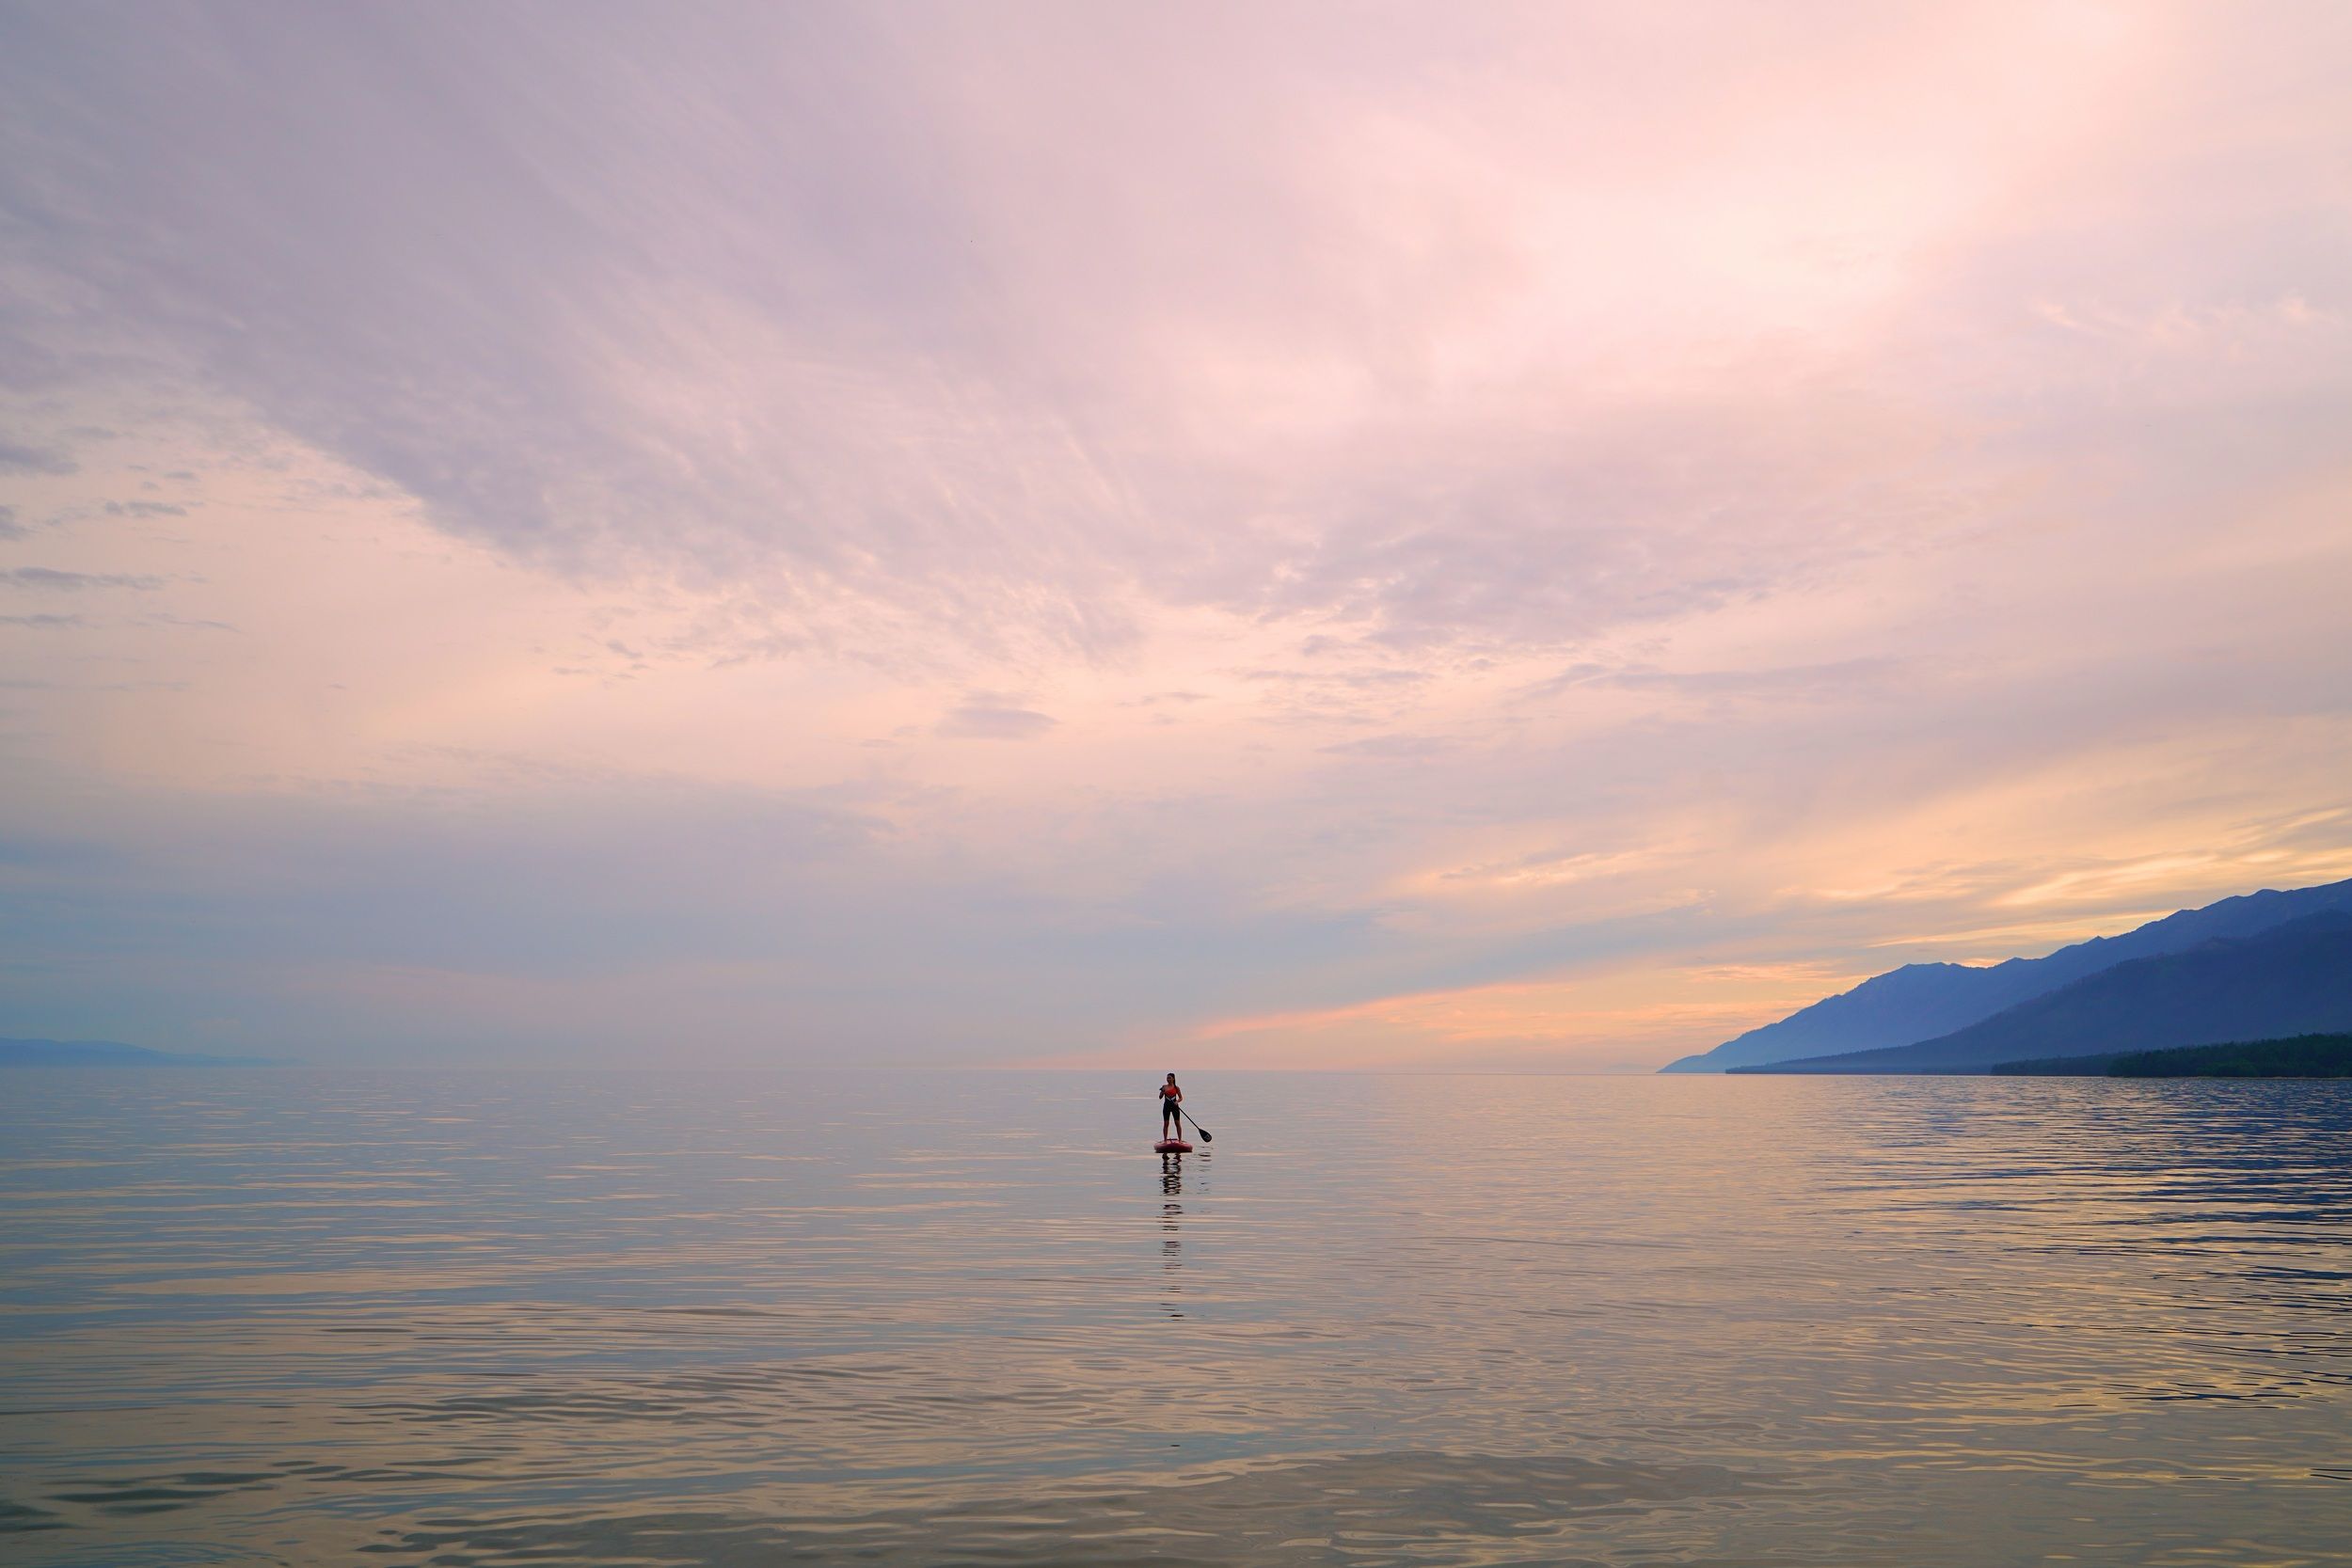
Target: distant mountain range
1933	1004
109	1054
2295	979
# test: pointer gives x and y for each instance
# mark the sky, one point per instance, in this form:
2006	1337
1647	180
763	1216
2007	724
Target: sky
1481	537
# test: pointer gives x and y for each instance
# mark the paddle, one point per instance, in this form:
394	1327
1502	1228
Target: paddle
1206	1137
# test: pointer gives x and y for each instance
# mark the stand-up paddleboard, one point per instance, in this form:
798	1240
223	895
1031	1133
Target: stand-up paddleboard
1172	1145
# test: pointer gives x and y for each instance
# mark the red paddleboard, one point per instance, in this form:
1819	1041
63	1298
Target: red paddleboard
1172	1145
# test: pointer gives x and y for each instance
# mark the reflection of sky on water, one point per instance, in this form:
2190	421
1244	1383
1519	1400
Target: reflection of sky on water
1435	1320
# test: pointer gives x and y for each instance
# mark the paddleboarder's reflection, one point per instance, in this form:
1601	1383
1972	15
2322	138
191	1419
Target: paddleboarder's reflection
1171	1230
1172	1241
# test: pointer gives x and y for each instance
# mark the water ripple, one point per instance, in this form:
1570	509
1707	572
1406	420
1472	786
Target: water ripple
412	1319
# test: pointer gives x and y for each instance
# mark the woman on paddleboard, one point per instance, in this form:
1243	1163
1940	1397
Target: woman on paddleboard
1171	1124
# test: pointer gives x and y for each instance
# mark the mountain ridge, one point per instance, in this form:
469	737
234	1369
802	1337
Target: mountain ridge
2291	979
1922	1001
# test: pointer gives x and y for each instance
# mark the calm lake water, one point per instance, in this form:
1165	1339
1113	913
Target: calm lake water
315	1317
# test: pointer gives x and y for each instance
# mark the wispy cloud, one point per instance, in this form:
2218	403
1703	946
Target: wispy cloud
986	717
18	458
50	579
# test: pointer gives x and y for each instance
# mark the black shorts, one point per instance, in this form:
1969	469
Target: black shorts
1168	1109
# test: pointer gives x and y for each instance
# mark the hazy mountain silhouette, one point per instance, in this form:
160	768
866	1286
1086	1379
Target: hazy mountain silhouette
1921	1002
109	1054
2292	979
